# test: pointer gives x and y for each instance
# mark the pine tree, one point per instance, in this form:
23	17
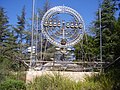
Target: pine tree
107	21
85	49
7	45
7	41
116	39
3	25
20	37
20	30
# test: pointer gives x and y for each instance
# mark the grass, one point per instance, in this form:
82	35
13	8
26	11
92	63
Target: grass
58	82
52	82
103	81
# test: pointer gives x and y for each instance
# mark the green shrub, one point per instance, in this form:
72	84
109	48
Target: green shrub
2	77
11	84
103	81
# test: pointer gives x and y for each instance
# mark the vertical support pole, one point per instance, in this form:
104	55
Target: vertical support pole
100	38
36	36
31	56
41	44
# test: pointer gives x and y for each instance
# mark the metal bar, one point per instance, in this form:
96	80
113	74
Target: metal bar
65	62
41	45
36	36
100	37
31	56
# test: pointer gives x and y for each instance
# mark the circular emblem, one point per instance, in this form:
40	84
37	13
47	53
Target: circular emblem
62	26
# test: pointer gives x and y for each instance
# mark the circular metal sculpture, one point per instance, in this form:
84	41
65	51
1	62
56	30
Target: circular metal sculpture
59	32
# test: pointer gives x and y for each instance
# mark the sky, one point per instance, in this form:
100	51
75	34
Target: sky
86	8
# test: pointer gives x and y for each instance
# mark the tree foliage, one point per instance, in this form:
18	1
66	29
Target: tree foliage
108	20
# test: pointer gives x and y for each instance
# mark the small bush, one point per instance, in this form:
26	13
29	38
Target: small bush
11	84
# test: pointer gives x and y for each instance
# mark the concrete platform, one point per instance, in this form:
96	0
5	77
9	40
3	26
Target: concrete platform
76	76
